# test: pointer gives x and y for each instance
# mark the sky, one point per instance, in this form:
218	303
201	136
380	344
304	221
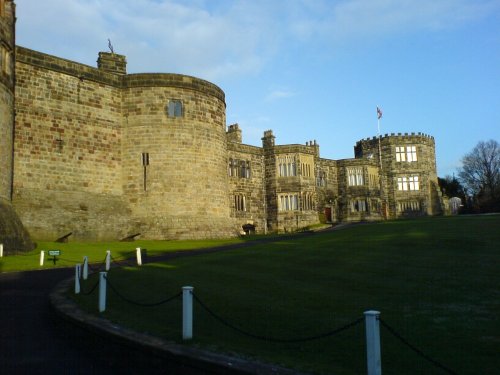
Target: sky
306	69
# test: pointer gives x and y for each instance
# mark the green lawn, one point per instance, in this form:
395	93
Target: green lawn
73	252
436	281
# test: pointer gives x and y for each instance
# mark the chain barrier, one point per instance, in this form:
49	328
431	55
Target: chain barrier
416	350
95	269
90	291
272	339
141	303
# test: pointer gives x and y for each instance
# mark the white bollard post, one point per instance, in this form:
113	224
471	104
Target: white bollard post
102	291
77	279
187	312
42	256
108	259
1	250
373	359
139	256
85	267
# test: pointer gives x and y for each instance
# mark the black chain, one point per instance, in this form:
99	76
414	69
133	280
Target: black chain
272	339
141	303
91	289
416	350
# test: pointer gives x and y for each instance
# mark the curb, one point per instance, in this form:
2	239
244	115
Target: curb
184	356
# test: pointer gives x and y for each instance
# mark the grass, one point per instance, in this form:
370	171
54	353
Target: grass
73	252
435	281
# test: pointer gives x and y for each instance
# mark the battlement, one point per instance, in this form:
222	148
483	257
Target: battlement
234	133
398	137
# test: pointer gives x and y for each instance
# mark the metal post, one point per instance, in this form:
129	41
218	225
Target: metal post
85	267
102	291
187	312
42	256
138	255
373	342
108	259
77	279
1	250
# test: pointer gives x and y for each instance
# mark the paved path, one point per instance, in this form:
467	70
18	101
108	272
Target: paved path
34	341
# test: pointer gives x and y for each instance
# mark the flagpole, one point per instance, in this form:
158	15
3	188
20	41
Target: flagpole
379	115
384	207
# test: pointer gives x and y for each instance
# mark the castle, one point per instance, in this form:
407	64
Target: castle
104	155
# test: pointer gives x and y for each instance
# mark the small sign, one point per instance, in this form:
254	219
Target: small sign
54	253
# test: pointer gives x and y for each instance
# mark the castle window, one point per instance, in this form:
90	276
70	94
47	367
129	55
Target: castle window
409	206
288	202
408	183
408	153
175	108
240	202
413	183
358	205
287	166
307	202
411	153
320	179
239	168
355	177
400	154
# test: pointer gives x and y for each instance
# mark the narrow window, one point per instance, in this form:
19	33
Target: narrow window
175	108
145	164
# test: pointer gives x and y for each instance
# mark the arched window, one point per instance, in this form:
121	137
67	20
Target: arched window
175	108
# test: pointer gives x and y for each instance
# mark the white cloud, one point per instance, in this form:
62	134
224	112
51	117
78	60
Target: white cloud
279	94
223	39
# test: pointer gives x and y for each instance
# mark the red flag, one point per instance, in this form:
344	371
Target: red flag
379	113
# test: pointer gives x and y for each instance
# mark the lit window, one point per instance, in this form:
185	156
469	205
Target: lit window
355	177
408	183
175	108
411	153
413	183
408	153
400	154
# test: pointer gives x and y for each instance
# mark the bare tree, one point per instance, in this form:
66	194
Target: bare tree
480	175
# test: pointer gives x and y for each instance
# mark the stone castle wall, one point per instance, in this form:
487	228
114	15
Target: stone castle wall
182	193
7	24
81	134
67	148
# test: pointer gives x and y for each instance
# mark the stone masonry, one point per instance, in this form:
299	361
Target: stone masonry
105	154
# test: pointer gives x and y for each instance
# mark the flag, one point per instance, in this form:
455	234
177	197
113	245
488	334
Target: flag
379	113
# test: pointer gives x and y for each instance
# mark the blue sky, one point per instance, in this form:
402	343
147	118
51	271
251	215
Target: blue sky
307	69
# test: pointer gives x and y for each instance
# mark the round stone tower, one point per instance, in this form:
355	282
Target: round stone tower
175	157
13	236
